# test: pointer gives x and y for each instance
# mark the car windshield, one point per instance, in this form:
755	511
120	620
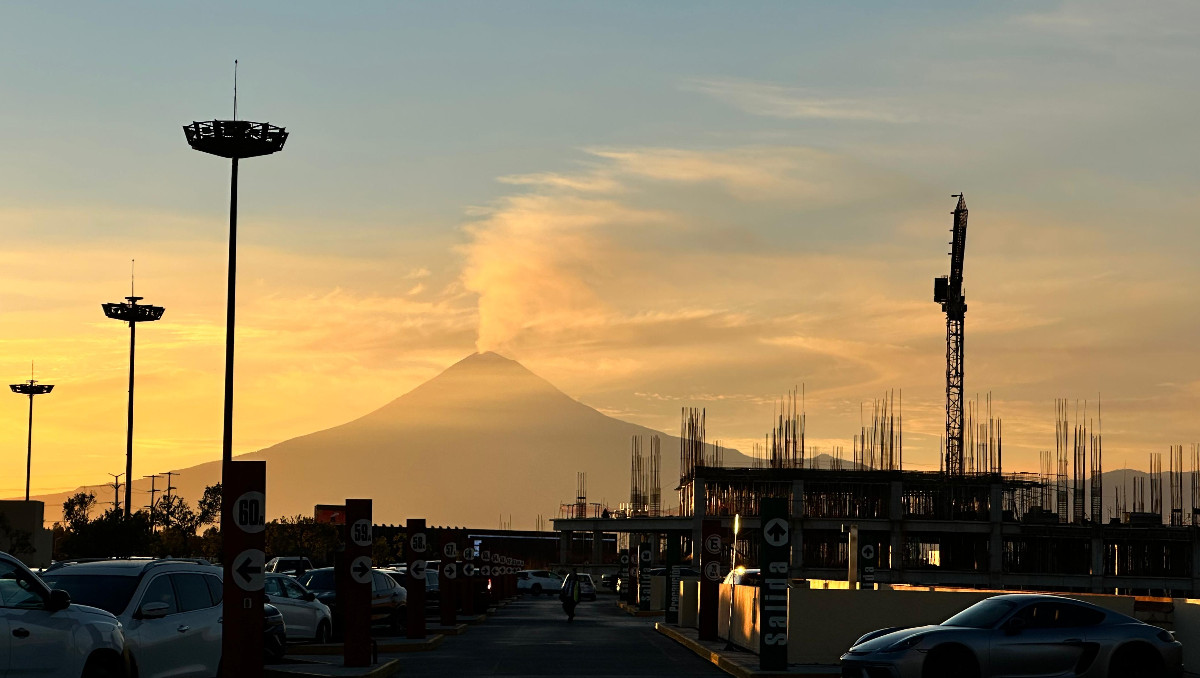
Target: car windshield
319	580
109	592
982	615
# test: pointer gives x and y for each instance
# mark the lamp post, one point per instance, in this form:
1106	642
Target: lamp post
233	139
30	388
133	313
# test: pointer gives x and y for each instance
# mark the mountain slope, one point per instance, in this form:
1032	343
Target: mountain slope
485	438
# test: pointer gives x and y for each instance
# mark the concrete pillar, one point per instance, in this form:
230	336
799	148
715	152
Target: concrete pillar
1098	559
996	538
564	546
797	527
597	547
896	529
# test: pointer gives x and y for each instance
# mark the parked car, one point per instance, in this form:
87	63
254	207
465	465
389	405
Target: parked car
538	582
587	587
48	636
1021	635
306	617
170	610
275	633
290	565
388	599
743	576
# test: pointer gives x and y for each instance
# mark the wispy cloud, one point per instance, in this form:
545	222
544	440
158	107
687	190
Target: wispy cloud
779	101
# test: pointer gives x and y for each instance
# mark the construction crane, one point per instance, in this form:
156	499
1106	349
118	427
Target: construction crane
948	291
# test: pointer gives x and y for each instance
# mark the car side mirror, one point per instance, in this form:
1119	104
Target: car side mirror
59	600
153	611
310	596
1014	626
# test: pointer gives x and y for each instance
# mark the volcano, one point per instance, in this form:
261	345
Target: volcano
486	438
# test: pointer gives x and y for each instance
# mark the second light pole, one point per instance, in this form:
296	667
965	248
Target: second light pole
133	313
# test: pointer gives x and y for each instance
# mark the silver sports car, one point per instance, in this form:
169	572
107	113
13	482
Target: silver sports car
1020	635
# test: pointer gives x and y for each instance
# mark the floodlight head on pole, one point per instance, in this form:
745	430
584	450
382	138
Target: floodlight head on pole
235	138
31	388
133	312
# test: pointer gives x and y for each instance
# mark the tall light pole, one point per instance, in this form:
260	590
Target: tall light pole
133	313
30	388
233	139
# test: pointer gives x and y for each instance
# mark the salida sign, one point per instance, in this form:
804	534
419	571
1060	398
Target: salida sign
774	554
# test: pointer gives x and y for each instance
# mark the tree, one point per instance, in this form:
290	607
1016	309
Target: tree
77	510
174	513
209	506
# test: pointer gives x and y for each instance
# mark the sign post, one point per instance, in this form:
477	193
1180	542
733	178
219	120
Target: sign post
645	556
244	515
417	553
868	560
448	579
673	577
774	555
354	584
712	571
467	572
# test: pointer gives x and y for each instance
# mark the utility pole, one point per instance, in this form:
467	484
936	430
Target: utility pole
116	485
132	313
170	487
152	492
30	388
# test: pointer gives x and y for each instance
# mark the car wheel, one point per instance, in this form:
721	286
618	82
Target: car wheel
950	661
1135	661
275	648
323	633
536	589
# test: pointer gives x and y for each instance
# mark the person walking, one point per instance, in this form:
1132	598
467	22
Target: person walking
569	594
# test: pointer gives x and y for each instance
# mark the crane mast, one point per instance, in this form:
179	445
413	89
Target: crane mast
947	290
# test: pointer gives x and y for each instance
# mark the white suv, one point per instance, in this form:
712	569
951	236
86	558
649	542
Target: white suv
42	634
538	581
170	610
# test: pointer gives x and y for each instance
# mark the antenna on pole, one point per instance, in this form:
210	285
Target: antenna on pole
132	264
235	65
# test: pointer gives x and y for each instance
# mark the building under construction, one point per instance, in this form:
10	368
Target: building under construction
968	524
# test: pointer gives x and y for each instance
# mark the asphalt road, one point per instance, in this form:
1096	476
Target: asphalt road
531	637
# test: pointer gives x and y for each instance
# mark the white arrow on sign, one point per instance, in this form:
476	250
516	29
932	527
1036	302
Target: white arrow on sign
449	570
360	569
248	570
776	531
417	569
360	532
249	513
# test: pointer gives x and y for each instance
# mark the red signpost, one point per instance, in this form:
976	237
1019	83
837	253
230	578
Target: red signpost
417	553
448	579
354	583
712	571
243	525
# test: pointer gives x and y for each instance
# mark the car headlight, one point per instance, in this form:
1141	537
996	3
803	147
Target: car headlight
905	644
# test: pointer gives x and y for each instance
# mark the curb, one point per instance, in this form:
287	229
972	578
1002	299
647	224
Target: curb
734	669
384	646
635	612
384	670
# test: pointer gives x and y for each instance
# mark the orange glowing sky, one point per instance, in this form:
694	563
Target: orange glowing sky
651	207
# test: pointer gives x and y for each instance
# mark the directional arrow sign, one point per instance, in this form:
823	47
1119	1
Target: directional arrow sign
485	571
868	552
417	569
776	532
449	570
468	570
360	569
248	570
624	558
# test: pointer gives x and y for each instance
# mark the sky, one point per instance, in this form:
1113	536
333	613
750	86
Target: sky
651	205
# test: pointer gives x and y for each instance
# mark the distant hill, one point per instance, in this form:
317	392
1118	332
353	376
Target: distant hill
485	438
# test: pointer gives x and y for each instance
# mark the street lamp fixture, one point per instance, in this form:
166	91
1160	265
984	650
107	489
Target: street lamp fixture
30	388
133	313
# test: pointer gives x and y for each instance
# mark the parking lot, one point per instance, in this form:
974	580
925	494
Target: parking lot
531	637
